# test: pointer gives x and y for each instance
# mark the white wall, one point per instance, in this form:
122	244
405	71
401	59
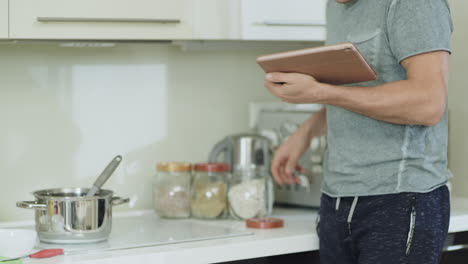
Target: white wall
66	112
458	96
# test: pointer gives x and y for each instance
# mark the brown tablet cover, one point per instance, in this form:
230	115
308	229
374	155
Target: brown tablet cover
333	64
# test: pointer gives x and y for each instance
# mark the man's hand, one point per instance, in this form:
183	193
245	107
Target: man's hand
285	160
296	88
286	157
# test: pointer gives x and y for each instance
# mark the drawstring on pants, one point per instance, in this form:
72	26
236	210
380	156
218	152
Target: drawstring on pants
337	206
351	212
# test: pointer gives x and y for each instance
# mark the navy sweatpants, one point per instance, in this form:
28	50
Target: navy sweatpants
404	228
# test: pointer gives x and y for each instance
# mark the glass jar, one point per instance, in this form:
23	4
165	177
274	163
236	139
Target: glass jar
250	193
209	190
171	190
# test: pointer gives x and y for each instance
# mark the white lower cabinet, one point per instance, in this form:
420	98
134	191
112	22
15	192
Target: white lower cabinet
3	19
101	19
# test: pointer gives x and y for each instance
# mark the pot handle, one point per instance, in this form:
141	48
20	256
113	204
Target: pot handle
118	200
31	205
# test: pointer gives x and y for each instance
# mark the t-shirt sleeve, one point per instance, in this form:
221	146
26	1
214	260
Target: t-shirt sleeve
418	26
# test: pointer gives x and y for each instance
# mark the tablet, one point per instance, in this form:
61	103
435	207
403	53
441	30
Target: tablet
334	64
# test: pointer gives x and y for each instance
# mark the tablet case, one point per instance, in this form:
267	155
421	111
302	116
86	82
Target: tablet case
334	64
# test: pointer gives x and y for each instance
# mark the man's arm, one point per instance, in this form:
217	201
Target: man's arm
316	124
418	100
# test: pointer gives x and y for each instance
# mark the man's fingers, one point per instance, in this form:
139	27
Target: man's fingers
283	168
276	170
279	77
285	77
290	168
275	77
300	169
284	177
274	88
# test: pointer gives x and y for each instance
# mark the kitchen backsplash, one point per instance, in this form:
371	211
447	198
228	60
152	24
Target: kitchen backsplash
65	112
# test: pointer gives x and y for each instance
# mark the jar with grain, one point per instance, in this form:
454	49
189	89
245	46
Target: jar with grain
209	190
171	189
250	193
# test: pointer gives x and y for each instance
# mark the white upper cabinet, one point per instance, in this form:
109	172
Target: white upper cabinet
163	19
283	20
101	19
3	19
216	19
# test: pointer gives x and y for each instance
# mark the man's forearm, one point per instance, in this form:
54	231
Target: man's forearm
316	125
401	102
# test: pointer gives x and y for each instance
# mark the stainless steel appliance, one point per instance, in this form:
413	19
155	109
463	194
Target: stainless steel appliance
250	192
243	151
277	121
67	215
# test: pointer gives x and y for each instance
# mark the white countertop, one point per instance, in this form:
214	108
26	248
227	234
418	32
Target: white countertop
298	235
459	215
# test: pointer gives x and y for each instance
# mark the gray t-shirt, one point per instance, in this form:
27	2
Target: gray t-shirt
366	156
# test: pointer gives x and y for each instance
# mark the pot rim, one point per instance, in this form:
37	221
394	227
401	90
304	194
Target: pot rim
47	194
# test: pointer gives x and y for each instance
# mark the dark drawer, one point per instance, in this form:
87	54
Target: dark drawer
456	249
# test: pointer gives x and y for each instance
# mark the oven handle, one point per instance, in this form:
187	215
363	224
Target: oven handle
455	247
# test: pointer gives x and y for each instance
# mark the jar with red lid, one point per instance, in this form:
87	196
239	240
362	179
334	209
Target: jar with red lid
171	189
209	190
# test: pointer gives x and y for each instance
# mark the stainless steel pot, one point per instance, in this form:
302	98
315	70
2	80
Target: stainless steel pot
66	215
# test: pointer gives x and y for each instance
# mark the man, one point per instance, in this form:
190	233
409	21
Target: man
384	197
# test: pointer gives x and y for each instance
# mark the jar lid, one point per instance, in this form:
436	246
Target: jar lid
174	166
264	223
212	167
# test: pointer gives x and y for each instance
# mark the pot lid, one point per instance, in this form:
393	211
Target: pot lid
70	194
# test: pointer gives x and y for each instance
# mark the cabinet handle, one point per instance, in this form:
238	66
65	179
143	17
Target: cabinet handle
97	19
455	248
304	23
